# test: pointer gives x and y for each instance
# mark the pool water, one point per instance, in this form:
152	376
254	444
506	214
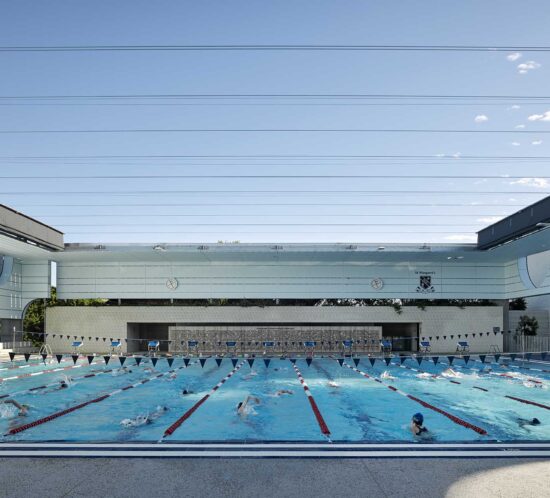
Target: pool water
353	407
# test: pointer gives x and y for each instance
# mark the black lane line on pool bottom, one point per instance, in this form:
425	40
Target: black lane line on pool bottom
196	406
55	415
521	400
450	416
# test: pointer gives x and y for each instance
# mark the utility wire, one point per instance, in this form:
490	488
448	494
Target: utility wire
244	177
282	47
271	130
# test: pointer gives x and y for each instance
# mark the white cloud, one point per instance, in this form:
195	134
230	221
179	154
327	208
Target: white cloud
525	67
532	182
519	127
481	118
513	56
536	142
490	219
540	117
461	238
516	144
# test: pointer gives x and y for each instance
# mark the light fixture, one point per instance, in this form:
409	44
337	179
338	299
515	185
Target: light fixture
381	248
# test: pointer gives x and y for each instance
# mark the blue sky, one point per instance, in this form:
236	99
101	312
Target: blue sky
336	215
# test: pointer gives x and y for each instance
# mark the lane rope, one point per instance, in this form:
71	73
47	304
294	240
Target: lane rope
320	420
450	416
452	381
71	409
196	406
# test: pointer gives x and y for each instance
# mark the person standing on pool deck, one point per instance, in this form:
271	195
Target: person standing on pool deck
416	424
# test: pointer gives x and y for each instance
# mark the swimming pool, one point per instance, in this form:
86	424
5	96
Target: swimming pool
339	400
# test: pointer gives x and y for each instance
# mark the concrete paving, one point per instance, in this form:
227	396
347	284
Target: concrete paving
243	478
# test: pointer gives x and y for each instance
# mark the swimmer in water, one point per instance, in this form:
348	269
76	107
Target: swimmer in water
416	425
144	419
23	409
331	383
281	392
523	421
451	373
244	408
121	371
386	375
185	392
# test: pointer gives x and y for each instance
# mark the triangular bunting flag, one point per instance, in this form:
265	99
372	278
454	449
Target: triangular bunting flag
12	356
154	361
170	362
90	359
402	359
186	361
219	361
267	361
482	358
27	356
372	360
435	359
106	358
202	362
497	356
234	361
419	359
44	356
387	360
513	356
341	361
466	359
138	360
122	360
451	359
308	361
75	358
356	361
292	360
58	357
250	361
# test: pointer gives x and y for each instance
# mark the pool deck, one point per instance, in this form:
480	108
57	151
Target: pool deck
394	477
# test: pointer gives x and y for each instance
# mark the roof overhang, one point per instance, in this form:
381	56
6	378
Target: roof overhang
530	220
25	229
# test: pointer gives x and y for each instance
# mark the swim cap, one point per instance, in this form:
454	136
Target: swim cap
535	421
418	418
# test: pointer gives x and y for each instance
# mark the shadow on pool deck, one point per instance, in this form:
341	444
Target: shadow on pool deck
426	478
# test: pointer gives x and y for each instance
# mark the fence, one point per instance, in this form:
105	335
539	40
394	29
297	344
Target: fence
519	343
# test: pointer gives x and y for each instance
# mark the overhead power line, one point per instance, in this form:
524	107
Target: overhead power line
273	130
374	96
254	204
269	48
245	177
267	192
284	156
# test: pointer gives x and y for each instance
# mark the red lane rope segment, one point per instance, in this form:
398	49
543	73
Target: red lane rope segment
320	420
450	416
196	406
